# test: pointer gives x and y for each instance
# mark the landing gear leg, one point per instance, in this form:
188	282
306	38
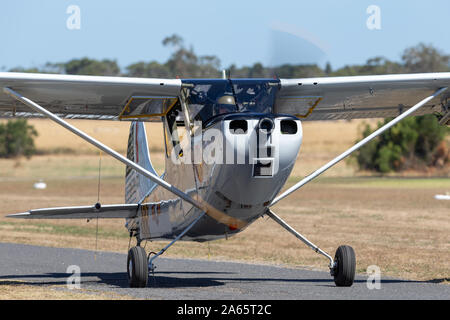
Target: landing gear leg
342	268
139	264
151	267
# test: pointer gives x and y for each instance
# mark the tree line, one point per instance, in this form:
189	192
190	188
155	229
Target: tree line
185	63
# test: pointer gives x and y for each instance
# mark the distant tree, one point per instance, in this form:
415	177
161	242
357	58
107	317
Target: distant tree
86	66
298	71
257	71
26	70
381	65
328	69
47	68
239	72
185	63
17	139
173	40
373	66
414	143
151	69
209	65
425	58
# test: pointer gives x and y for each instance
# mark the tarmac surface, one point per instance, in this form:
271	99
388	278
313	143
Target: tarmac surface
196	279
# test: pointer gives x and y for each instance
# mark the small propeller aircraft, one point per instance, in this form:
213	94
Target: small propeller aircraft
230	145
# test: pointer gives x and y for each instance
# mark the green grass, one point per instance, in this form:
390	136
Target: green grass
46	228
381	182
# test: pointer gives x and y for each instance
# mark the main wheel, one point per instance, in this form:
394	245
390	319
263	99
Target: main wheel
345	268
137	268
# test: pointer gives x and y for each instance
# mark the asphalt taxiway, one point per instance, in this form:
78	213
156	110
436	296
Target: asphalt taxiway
196	279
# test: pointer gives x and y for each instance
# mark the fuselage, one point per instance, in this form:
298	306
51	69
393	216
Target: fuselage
235	163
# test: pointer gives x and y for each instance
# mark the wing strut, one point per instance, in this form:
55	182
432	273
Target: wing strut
108	150
357	146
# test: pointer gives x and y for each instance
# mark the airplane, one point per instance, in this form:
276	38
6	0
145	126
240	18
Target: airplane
230	146
442	196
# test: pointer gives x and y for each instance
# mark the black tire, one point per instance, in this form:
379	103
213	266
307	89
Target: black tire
137	268
344	271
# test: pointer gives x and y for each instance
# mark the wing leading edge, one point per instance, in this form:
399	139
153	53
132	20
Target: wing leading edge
81	212
83	97
333	98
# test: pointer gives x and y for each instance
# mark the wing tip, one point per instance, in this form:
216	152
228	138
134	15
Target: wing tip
19	215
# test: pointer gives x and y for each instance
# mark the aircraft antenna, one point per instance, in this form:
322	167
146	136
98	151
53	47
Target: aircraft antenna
226	74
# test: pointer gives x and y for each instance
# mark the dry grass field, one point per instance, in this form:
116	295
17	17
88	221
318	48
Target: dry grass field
392	222
16	290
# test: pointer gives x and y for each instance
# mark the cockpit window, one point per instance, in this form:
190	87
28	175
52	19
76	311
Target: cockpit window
210	98
254	97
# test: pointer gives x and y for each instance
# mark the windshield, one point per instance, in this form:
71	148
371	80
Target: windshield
210	98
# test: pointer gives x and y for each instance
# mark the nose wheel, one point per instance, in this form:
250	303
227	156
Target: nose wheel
344	266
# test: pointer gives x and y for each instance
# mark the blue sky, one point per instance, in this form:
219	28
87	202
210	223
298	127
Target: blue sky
239	32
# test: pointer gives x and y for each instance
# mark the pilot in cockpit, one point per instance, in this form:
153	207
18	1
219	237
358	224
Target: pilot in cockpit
225	104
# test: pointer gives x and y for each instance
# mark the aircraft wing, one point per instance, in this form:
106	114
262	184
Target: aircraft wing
333	98
87	97
81	212
326	98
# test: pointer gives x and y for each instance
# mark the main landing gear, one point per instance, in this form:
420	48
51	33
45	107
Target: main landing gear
342	267
137	267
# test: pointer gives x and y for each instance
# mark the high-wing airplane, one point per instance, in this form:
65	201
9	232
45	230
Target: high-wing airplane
230	145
